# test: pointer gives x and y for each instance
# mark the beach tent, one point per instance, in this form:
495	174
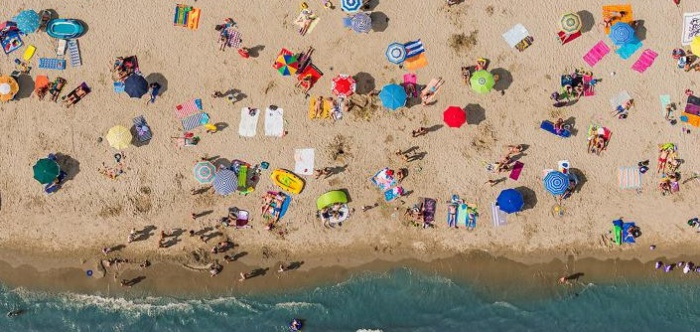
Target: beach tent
135	86
8	88
204	172
46	170
361	23
556	183
119	137
510	201
396	53
343	86
286	64
482	81
330	198
393	96
454	116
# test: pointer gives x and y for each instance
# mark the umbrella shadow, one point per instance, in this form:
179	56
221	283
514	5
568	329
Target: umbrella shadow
379	21
587	20
69	165
640	31
255	50
571	122
475	114
369	5
347	194
26	86
581	178
160	79
529	197
505	79
365	83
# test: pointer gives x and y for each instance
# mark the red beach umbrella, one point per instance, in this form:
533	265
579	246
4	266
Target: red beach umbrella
343	86
454	116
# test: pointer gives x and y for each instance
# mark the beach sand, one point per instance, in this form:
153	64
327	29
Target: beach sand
91	212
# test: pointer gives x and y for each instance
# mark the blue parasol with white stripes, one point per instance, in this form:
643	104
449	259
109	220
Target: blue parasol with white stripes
361	23
225	182
396	53
350	6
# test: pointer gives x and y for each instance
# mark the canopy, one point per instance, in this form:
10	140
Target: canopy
556	182
361	23
454	116
8	88
622	33
510	201
482	81
350	6
396	53
343	86
46	170
695	45
286	64
204	172
393	96
570	23
225	182
27	21
135	86
119	137
330	198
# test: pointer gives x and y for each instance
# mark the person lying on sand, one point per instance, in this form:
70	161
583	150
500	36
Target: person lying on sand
74	97
428	95
481	64
663	159
326	172
318	107
419	132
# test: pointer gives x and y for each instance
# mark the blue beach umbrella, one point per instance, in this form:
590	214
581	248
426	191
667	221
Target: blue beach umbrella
135	86
622	33
510	201
350	6
361	23
556	183
225	182
396	53
393	96
27	21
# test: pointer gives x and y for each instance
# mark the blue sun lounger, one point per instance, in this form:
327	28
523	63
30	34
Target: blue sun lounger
549	126
50	63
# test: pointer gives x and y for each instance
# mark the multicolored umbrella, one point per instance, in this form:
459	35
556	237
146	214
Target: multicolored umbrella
119	137
225	182
350	6
622	33
361	23
396	53
343	86
286	64
135	86
570	23
46	170
482	81
393	96
454	116
204	172
27	21
510	201
556	183
8	88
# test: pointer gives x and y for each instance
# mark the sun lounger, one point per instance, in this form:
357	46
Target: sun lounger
325	109
627	50
304	161
429	210
142	130
645	61
383	180
410	79
517	169
497	215
566	38
629	177
189	108
274	121
610	9
49	63
549	126
41	86
393	194
596	53
249	123
74	53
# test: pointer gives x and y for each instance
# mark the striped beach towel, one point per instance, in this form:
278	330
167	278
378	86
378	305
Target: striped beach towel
194	121
189	108
74	53
50	63
596	53
629	177
645	61
414	48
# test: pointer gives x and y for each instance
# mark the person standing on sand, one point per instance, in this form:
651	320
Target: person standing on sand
131	236
244	276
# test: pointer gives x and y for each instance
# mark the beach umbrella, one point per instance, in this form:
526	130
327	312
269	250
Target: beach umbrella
8	88
46	170
454	116
119	137
350	6
361	23
204	172
393	96
570	23
695	45
286	64
27	21
225	182
622	33
135	86
556	182
510	201
396	53
343	86
482	81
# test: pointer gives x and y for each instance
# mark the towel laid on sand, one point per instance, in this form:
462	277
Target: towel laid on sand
249	122
304	161
274	121
619	99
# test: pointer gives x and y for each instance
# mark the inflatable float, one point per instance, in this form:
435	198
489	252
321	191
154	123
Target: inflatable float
287	180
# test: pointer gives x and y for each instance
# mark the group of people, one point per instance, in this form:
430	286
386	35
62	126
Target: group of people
504	164
667	164
687	267
572	87
113	172
597	140
271	208
686	60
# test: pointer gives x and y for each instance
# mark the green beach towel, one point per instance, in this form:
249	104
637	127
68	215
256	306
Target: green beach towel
242	177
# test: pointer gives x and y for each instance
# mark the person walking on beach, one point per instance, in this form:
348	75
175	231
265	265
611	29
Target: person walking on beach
244	276
155	89
131	236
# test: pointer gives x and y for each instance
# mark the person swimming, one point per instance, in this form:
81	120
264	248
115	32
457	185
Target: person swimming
668	268
15	313
659	264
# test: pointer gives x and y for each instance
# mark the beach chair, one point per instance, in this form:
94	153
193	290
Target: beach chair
410	84
142	129
41	86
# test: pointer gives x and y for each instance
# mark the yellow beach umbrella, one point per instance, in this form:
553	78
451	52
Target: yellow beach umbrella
119	137
8	88
695	45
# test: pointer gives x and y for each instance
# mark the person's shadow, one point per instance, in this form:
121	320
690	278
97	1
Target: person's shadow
259	272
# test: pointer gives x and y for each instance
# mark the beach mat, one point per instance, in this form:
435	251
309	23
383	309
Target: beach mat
393	194
189	108
497	216
549	126
515	35
383	180
50	63
517	169
627	50
274	122
645	61
304	161
629	177
325	109
619	99
566	38
194	121
74	53
597	53
249	123
429	205
300	22
588	89
665	100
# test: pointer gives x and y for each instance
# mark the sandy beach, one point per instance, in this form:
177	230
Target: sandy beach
90	211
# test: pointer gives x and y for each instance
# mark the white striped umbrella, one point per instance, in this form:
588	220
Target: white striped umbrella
350	6
204	172
396	53
225	182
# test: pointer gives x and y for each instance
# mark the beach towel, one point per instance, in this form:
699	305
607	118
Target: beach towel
627	50
383	180
414	48
274	122
119	87
516	34
194	121
181	12
193	19
143	131
692	109
429	210
304	161
61	47
693	100
629	177
517	168
10	41
691	27
249	122
596	53
410	79
588	89
310	71
566	38
325	109
610	9
74	53
645	61
417	62
665	100
497	216
41	82
393	194
49	63
549	126
189	108
619	99
303	17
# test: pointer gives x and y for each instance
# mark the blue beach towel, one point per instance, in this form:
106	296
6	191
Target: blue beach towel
119	87
50	63
627	50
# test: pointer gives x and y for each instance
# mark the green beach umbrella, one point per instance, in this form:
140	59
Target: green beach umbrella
46	170
570	23
482	81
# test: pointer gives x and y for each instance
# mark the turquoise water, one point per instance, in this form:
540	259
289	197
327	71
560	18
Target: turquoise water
402	300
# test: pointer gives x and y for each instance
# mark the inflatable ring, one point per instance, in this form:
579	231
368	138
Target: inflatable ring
304	5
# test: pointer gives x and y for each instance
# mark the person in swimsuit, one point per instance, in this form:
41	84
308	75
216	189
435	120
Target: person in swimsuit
452	214
663	159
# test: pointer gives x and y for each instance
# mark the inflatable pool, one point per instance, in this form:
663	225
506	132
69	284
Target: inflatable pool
65	28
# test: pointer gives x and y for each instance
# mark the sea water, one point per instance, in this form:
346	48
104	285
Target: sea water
401	300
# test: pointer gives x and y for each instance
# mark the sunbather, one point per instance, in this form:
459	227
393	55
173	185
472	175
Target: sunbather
559	126
512	150
318	107
419	132
56	88
578	90
663	159
669	110
481	64
452	214
429	93
305	28
75	96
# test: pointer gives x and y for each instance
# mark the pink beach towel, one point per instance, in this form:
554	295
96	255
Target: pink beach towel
588	89
517	168
645	61
598	51
189	108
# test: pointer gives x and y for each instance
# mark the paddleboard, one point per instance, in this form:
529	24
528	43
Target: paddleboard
462	215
